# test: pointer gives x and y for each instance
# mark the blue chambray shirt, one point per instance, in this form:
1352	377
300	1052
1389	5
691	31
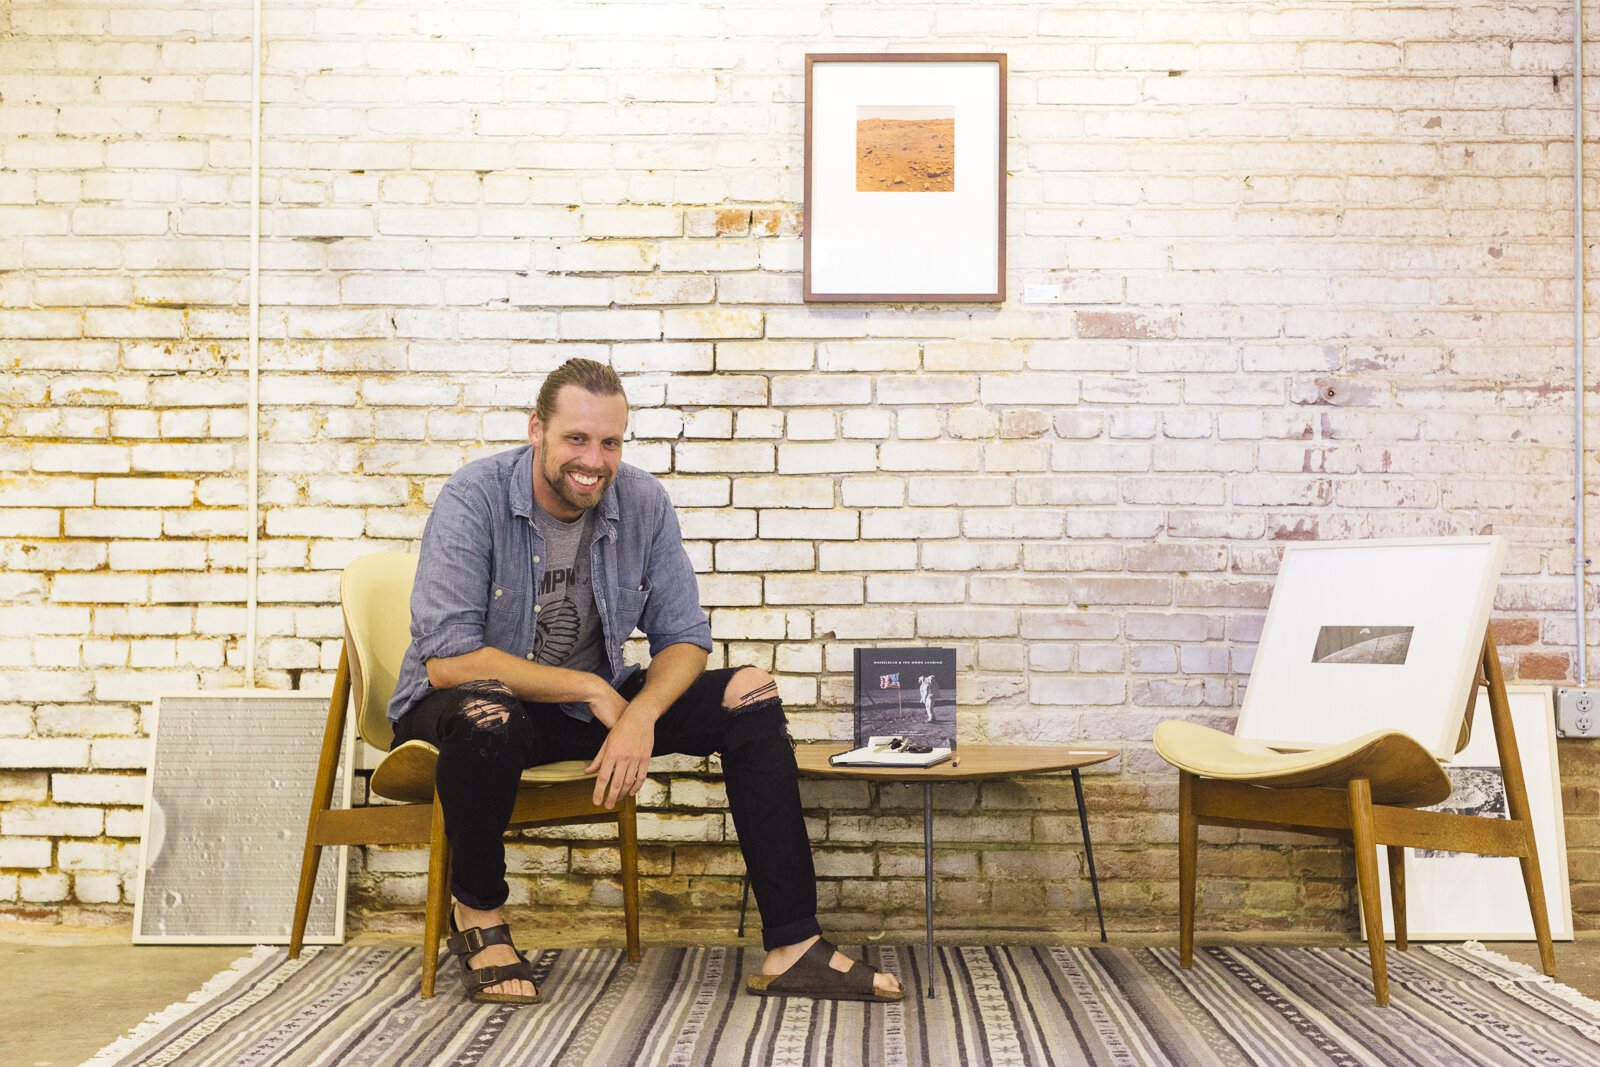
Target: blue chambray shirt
476	574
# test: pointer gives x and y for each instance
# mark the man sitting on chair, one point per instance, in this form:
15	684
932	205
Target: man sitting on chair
536	565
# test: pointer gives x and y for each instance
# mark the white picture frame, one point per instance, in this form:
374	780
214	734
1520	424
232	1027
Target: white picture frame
1372	635
1460	896
227	796
905	183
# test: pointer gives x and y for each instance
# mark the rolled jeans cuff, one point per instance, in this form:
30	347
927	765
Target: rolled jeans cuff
790	933
477	903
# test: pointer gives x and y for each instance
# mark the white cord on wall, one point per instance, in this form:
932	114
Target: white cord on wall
253	574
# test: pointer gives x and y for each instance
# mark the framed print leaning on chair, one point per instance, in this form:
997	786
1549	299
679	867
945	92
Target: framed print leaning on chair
1456	896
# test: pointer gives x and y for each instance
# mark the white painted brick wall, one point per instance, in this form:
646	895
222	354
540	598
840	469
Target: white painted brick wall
1277	270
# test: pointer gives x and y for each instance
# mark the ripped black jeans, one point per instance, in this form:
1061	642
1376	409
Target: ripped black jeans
486	736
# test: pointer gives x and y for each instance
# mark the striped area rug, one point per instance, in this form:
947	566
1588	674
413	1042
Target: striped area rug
358	1007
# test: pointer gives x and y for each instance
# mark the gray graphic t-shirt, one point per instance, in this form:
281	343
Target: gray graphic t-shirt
567	625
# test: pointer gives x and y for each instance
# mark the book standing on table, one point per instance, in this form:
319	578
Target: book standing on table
906	692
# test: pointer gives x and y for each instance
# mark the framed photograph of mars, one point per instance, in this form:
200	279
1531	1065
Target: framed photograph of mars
905	192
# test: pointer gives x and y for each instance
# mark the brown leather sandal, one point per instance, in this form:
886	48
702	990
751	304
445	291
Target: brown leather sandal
812	975
468	943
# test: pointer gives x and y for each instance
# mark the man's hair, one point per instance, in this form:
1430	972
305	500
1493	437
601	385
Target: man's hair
586	374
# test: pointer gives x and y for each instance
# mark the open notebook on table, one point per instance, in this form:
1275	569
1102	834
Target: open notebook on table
888	751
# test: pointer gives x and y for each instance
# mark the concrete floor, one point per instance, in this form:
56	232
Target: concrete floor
85	988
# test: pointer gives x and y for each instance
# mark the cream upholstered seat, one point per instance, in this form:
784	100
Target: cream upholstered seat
406	774
375	595
1399	769
1365	790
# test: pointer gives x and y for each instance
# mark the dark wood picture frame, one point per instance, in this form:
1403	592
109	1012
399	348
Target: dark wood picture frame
988	296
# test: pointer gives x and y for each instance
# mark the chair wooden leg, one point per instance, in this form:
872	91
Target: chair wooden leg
1366	849
1397	894
433	924
310	860
1188	847
1533	882
1517	800
628	847
321	801
449	898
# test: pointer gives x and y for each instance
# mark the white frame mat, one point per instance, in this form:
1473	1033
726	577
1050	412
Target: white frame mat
227	794
1461	897
1436	592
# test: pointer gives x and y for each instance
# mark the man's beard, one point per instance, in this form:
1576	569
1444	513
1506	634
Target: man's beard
567	493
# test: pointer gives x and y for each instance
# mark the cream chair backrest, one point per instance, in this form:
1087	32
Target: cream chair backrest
375	593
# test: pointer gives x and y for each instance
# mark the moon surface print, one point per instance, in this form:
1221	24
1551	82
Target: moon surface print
1362	644
1477	791
1390	649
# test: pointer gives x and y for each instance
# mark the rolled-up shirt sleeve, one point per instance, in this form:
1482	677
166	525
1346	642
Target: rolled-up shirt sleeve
672	615
454	571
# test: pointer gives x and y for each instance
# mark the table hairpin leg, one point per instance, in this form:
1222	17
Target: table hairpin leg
1088	850
927	873
744	901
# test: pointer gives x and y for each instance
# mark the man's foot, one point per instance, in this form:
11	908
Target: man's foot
492	955
781	959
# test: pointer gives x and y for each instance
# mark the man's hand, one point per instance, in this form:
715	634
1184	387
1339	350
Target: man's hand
624	757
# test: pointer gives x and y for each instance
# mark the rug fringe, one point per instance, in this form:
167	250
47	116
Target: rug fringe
214	987
1522	971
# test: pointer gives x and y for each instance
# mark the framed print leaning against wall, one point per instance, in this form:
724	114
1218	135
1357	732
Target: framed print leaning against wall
1454	896
230	773
905	184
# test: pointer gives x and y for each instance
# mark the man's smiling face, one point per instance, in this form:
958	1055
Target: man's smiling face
577	452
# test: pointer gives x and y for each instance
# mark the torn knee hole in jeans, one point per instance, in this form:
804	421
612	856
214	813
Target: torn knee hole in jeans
486	707
760	699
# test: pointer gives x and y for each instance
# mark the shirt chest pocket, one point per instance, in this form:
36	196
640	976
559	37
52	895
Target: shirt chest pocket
629	610
506	603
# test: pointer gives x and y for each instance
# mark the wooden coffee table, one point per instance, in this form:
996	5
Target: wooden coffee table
971	763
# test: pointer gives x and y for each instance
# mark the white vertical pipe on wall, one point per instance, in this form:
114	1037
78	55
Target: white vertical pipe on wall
1580	561
254	506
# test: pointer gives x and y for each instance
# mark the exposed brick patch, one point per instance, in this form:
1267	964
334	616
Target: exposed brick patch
1544	666
770	222
732	222
1515	631
1126	324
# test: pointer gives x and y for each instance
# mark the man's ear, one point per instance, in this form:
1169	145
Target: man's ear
534	428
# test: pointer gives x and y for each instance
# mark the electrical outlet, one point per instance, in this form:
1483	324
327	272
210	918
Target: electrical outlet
1577	712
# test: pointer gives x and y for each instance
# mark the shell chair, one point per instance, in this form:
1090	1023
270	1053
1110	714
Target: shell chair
1366	790
375	594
